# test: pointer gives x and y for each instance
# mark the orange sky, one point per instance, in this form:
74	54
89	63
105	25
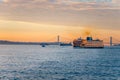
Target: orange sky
26	31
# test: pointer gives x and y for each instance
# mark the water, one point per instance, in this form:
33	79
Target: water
33	62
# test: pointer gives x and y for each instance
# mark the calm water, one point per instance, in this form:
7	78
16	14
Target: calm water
32	62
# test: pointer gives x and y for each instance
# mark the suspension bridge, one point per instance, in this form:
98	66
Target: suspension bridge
110	41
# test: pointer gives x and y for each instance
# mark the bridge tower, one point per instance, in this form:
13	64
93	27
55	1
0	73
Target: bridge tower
111	41
58	40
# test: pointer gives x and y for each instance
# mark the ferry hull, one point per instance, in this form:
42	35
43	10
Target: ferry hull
88	47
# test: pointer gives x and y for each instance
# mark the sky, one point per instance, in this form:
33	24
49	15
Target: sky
43	20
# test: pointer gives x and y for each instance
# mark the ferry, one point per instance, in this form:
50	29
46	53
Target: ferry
117	45
88	43
65	44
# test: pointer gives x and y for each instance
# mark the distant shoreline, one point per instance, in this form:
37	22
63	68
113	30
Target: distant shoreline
5	42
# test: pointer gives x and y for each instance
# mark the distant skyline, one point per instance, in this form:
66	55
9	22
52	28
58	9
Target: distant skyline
41	20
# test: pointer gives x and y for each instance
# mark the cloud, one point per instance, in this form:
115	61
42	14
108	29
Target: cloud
63	12
64	4
5	1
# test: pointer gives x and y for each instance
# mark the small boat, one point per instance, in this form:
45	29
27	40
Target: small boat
42	45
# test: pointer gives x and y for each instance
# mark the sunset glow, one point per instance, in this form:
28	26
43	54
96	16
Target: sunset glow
43	20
